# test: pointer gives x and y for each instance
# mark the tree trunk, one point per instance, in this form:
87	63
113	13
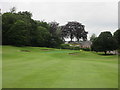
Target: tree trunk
105	52
77	39
71	39
63	39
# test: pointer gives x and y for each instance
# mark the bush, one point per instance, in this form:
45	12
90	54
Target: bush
74	48
77	48
86	49
65	46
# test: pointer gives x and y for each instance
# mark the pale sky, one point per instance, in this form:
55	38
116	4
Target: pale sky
96	16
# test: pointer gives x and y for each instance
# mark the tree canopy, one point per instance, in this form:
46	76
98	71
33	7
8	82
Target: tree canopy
20	29
104	42
117	36
74	29
92	38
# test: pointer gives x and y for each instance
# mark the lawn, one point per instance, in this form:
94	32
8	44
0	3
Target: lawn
0	67
37	67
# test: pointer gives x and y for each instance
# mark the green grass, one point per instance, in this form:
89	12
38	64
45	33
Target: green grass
57	69
0	67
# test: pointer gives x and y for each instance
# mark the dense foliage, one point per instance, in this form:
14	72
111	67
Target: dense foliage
20	29
92	38
104	42
74	30
117	37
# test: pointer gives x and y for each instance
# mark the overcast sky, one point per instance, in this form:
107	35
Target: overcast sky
96	16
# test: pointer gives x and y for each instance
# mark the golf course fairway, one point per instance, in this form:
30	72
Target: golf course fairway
39	67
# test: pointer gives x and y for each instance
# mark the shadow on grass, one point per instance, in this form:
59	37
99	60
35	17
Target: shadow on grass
105	54
47	49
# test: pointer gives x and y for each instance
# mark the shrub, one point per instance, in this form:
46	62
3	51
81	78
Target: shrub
76	48
65	46
86	49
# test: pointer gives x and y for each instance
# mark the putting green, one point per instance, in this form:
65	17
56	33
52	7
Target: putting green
32	67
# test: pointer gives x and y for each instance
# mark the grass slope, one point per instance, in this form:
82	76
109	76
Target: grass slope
0	67
31	67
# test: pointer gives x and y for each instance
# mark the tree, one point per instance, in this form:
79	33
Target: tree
25	14
8	19
64	33
20	29
55	32
92	38
70	29
117	36
53	28
80	31
41	37
13	10
105	42
54	42
18	34
46	35
74	29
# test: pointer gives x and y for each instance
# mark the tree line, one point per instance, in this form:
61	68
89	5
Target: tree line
19	29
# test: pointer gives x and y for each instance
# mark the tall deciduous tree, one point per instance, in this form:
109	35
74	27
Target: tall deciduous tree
74	29
18	34
20	29
8	19
53	28
41	37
